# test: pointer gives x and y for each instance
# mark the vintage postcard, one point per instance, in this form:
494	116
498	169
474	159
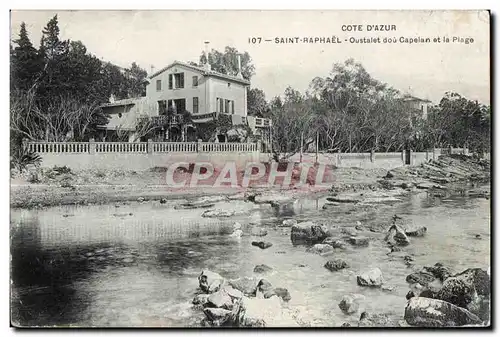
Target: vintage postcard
206	169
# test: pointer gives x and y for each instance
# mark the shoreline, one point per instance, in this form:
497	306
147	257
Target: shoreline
434	175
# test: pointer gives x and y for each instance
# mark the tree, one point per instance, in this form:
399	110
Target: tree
26	63
256	103
294	124
135	76
227	62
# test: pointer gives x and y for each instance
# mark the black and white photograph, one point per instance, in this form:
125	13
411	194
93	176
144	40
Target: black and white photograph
250	169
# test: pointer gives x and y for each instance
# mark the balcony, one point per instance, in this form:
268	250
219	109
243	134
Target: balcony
162	119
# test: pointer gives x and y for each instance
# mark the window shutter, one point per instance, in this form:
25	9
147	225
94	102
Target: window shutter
181	80
195	105
158	85
170	81
195	81
232	107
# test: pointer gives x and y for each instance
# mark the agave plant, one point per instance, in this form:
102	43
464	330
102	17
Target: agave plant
23	157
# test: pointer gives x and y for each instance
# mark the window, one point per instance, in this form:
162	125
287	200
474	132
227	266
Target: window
179	80
195	81
195	105
221	105
158	85
162	107
228	103
170	81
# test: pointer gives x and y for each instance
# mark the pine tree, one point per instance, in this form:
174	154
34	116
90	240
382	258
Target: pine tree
26	64
52	45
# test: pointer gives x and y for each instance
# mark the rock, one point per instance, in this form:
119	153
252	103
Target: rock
262	244
247	285
320	248
410	294
217	214
209	281
335	265
421	277
232	292
416	232
389	175
236	225
308	232
256	312
367	320
264	289
335	243
141	199
359	241
370	278
348	305
262	268
283	293
272	198
463	288
220	299
439	271
428	312
217	316
288	223
349	231
342	199
428	185
387	288
257	231
163	201
236	234
396	236
200	299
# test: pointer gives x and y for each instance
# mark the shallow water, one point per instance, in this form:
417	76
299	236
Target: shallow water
137	264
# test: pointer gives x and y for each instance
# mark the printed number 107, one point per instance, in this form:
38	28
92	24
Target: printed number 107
254	40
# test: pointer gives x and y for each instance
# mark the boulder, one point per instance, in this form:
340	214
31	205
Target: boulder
348	304
308	232
288	223
370	278
439	271
209	281
349	231
247	285
335	265
420	231
367	320
257	312
232	292
335	243
163	201
429	312
342	199
320	248
220	299
359	241
421	277
272	198
217	213
464	288
217	316
200	299
283	293
396	236
262	268
262	244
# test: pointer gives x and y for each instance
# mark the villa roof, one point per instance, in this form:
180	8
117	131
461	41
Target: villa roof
413	98
122	102
203	71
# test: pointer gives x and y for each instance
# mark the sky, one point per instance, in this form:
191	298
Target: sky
156	38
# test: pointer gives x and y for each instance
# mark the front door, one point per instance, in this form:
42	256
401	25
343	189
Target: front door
407	157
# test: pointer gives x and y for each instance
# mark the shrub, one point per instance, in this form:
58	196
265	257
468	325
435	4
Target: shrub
22	158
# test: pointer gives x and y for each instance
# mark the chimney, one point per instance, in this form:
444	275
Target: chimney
207	65
152	70
239	75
